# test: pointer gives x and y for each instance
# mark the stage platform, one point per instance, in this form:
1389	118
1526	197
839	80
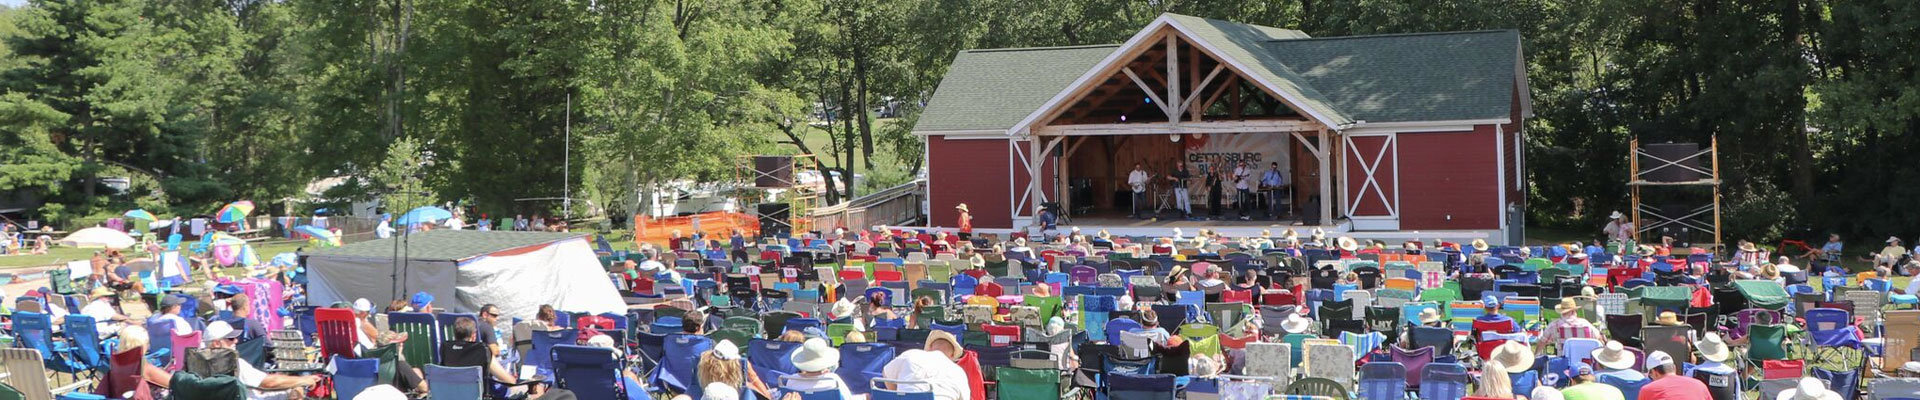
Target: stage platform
1119	224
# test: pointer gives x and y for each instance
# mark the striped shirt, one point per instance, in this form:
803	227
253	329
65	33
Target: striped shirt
1565	328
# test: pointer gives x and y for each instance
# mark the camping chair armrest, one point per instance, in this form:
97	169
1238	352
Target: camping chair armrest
520	383
76	385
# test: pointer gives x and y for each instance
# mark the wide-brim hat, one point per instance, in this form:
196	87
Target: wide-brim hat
1567	307
1290	234
1430	315
1809	388
1480	245
1613	356
1103	234
961	207
1319	234
1514	355
1668	318
1893	239
1346	243
1748	247
1713	348
816	355
101	292
842	309
940	335
1616	215
1296	324
1413	245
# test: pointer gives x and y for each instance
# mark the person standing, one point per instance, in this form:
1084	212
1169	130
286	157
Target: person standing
1274	183
1242	184
1213	190
1137	180
1179	177
966	221
1619	229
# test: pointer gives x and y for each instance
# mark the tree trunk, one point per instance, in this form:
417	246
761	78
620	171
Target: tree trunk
1802	164
860	105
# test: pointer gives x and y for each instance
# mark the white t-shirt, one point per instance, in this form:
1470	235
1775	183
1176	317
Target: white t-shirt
383	231
102	313
1138	179
823	382
180	326
456	223
944	378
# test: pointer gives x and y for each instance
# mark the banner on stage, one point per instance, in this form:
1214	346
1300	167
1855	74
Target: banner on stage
1258	149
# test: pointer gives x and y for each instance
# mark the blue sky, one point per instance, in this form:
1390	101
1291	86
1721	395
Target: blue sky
13	3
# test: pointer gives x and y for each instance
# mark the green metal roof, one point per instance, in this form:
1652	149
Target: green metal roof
1243	43
1412	77
996	88
1381	78
444	244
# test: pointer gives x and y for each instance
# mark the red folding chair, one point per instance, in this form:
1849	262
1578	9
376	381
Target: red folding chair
989	289
887	276
852	275
1278	298
181	345
335	332
1001	335
1236	296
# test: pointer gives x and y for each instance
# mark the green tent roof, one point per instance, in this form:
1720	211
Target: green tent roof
444	244
995	89
1380	78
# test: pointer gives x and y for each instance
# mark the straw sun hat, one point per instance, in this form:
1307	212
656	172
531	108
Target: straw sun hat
1514	355
1613	356
816	355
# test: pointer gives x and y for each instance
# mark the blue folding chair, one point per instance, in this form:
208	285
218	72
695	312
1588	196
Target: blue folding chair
861	362
769	359
352	376
1444	381
453	383
680	360
1125	386
1113	328
801	324
543	343
878	392
665	325
827	391
1383	381
83	342
590	372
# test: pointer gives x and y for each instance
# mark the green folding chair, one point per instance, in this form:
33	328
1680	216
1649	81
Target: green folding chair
749	325
1027	384
1202	338
838	332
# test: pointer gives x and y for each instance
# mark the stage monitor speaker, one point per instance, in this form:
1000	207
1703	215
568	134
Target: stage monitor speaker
1659	163
774	219
773	171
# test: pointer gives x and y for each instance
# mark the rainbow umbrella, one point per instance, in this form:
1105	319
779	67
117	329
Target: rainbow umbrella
315	232
234	212
140	214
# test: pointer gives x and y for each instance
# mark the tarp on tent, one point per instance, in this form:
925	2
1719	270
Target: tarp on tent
517	271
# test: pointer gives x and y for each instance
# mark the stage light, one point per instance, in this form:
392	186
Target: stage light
1174	137
1149	100
1123	118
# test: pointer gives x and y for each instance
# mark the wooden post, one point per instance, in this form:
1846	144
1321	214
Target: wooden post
1633	189
1173	79
1326	177
1717	242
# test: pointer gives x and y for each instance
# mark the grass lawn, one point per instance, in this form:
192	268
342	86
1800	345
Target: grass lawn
61	255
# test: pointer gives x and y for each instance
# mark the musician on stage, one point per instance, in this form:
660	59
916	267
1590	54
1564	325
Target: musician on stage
1242	183
1179	178
1213	189
1273	182
1138	179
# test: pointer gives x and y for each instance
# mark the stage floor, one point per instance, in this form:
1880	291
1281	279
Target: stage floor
1120	224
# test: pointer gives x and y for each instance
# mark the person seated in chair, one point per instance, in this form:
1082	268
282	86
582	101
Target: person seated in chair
260	385
466	350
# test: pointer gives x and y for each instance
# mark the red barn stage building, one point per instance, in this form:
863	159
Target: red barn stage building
1402	136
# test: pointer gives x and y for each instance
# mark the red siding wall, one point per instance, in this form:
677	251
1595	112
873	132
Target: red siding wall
1450	174
1515	144
1366	150
971	171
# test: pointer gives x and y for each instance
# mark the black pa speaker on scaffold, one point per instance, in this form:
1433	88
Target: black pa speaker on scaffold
773	171
1660	166
774	219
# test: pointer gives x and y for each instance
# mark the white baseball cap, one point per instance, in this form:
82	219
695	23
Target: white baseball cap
362	305
221	330
1658	359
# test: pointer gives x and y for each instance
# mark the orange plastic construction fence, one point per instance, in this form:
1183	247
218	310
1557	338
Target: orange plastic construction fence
714	224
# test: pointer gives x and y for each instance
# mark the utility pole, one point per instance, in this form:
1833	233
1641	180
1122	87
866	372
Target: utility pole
566	177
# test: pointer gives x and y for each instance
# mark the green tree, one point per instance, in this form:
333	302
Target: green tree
400	179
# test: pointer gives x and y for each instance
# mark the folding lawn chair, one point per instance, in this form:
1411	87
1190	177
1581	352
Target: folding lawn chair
352	376
1383	381
1444	381
453	383
1127	386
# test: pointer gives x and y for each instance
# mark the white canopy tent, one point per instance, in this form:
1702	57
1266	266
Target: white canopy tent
463	270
